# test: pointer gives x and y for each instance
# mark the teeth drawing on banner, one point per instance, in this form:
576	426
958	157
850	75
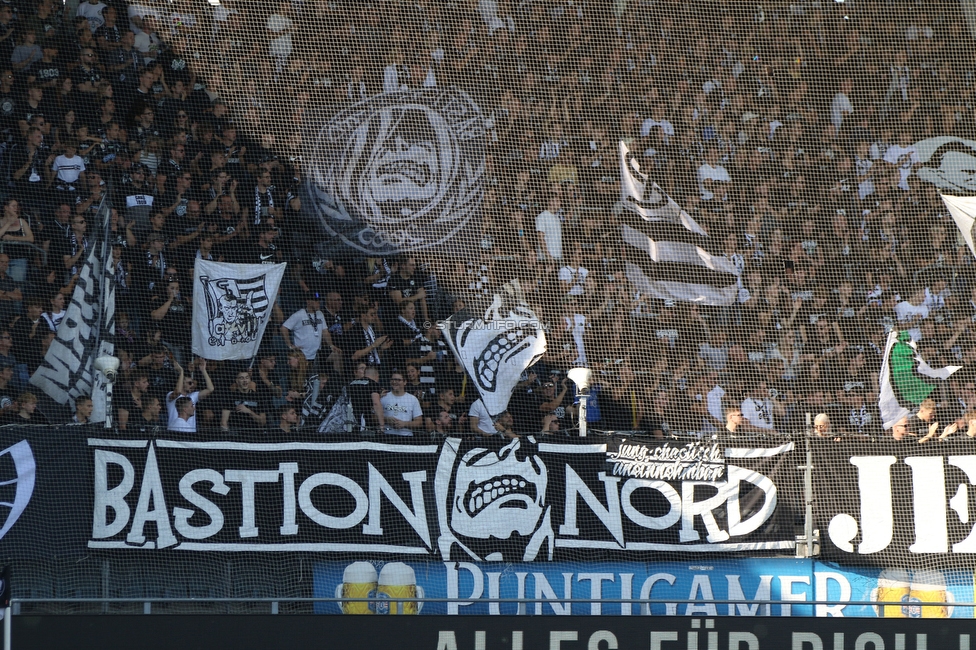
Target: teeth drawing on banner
497	494
675	261
498	348
67	371
400	171
232	307
906	380
460	500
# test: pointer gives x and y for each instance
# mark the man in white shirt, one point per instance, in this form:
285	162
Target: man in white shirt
711	177
658	120
307	326
92	12
182	402
402	412
550	229
841	105
480	422
759	408
909	313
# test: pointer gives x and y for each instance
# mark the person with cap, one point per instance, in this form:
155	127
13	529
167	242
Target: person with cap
307	327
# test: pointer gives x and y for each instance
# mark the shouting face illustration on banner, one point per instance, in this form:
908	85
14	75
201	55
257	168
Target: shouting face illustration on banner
496	349
497	503
400	171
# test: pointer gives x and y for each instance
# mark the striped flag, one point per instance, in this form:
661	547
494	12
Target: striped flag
906	380
231	307
673	261
68	368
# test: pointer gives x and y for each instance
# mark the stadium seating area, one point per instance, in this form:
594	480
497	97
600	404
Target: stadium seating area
810	139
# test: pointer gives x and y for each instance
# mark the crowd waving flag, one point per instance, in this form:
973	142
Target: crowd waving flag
906	380
673	260
231	307
495	350
67	371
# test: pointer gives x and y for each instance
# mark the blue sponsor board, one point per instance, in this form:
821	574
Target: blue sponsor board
565	588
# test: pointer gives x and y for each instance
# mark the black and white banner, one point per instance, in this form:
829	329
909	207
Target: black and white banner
68	368
675	259
457	500
400	171
497	348
231	307
897	504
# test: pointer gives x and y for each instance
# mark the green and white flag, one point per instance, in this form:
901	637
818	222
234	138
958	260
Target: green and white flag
906	380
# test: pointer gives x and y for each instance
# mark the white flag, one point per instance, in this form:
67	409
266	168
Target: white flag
231	307
677	260
68	368
963	211
496	349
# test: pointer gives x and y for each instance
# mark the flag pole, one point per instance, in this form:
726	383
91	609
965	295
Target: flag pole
7	611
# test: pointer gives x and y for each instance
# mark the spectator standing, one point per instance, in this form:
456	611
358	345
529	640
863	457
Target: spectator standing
181	403
401	410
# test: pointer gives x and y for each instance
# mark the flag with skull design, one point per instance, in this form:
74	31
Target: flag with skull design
496	349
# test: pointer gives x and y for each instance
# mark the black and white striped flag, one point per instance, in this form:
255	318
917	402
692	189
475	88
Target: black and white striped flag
673	262
231	307
68	368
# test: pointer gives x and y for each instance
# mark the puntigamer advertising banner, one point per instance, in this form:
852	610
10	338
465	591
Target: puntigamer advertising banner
521	500
757	587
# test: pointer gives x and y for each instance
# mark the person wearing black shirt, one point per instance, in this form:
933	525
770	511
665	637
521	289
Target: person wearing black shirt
172	167
410	345
47	73
364	395
406	285
245	405
175	200
147	420
30	169
137	196
127	403
86	76
27	331
159	369
265	203
288	421
262	248
173	311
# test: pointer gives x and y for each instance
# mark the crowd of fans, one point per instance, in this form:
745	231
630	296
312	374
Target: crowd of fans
788	131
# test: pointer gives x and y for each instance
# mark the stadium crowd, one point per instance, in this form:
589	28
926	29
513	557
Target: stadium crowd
787	131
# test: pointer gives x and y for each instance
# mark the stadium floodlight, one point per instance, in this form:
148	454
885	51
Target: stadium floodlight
581	377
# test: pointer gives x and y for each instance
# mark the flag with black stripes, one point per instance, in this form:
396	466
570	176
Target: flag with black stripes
672	259
231	307
67	371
